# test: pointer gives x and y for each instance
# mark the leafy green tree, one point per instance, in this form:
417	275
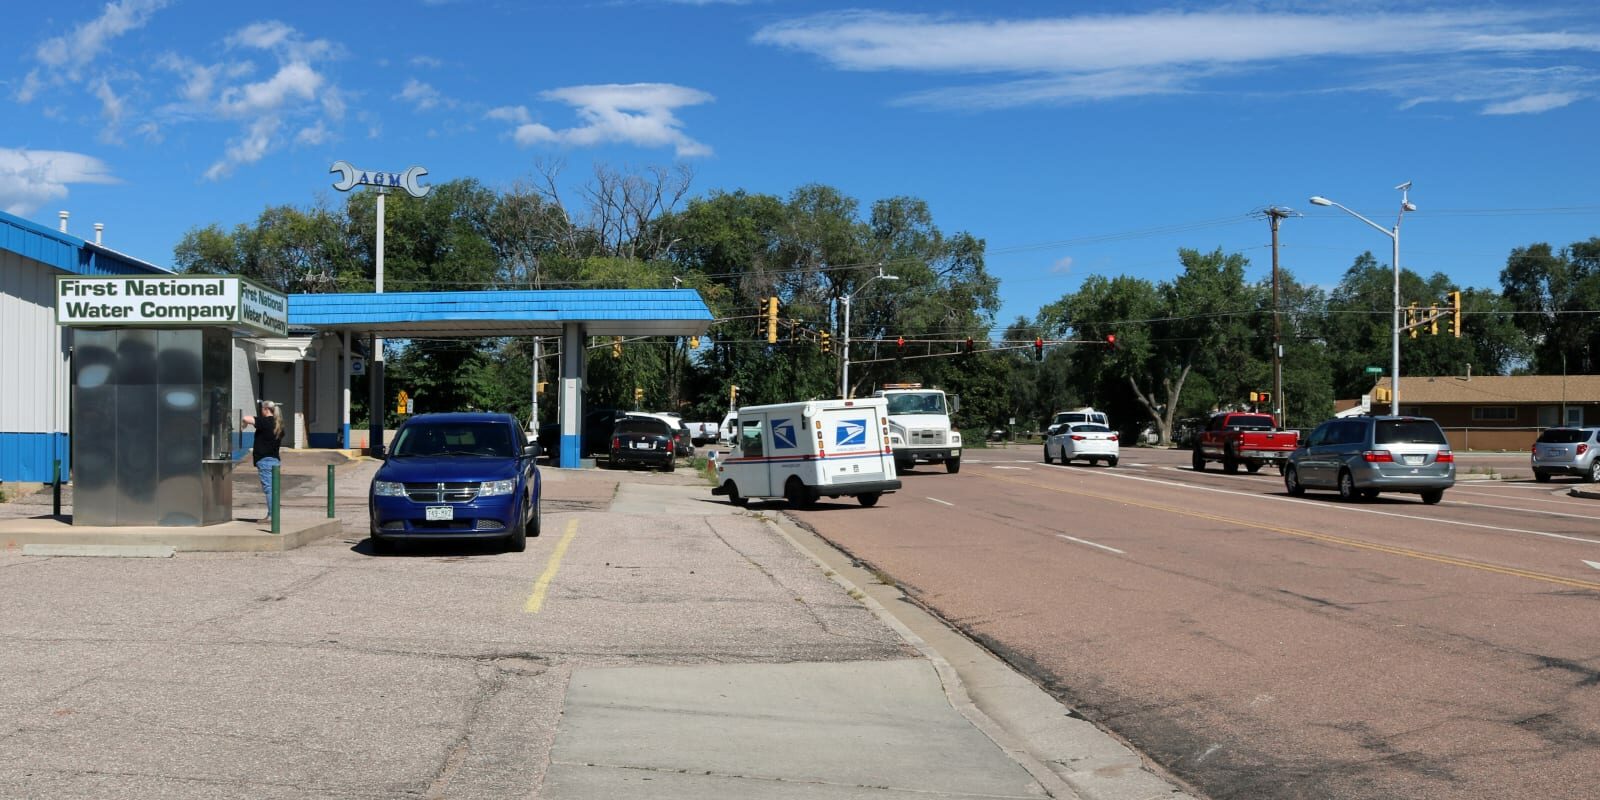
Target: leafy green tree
1556	297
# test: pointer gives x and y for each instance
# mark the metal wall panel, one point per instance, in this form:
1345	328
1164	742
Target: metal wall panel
94	440
32	349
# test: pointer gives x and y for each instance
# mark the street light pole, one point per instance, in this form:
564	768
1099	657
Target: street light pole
844	378
1394	237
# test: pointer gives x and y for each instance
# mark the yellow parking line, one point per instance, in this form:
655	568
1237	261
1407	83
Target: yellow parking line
536	600
1323	537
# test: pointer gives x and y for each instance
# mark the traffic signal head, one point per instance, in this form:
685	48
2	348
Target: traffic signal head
1433	320
1038	348
969	344
1266	397
900	342
694	343
1111	340
638	395
772	320
826	340
1455	314
616	347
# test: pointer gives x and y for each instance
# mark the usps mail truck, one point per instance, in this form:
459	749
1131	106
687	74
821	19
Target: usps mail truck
804	451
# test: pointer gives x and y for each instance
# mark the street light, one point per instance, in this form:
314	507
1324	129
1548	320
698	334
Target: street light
1394	236
844	378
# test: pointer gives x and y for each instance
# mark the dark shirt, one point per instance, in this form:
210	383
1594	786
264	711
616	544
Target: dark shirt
267	442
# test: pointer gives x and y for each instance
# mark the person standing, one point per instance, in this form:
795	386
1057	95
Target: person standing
269	438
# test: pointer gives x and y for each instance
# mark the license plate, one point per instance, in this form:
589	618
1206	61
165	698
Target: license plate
644	445
441	512
1414	460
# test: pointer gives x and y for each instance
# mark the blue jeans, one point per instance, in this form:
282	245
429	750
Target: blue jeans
264	466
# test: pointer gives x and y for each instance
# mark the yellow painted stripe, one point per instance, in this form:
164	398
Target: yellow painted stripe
1321	537
536	600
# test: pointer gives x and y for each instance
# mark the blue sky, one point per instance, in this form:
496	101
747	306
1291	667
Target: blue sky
1076	138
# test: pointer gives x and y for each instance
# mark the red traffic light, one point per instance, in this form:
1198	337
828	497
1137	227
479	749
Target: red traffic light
900	342
1111	338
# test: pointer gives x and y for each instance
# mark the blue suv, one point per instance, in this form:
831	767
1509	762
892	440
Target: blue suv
456	476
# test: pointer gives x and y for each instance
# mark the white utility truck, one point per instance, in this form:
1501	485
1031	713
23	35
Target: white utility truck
803	451
919	426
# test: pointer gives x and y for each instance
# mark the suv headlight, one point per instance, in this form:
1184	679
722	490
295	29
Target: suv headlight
388	489
492	488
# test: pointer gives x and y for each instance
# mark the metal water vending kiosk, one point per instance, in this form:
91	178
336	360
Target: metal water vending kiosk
152	409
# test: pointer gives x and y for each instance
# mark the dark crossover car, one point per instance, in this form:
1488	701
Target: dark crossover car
1359	457
456	476
1567	451
594	434
646	441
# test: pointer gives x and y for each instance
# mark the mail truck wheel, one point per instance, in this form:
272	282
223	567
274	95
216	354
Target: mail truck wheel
869	499
953	465
733	494
798	494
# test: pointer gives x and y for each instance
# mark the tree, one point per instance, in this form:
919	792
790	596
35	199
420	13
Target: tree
1556	296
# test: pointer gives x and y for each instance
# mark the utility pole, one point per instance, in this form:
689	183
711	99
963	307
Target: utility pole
1276	214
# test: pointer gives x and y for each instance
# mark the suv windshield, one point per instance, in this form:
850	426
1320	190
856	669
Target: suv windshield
489	439
1408	431
916	403
1564	436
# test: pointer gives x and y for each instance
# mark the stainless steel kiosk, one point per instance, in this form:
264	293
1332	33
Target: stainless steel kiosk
152	408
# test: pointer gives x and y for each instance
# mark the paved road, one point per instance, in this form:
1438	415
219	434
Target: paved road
1262	646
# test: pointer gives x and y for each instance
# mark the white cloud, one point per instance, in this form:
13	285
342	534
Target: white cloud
516	115
1533	103
1097	56
1062	266
419	94
315	135
74	51
252	146
111	106
635	113
295	81
31	178
427	62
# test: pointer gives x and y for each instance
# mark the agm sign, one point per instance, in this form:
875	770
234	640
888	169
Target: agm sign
186	302
350	178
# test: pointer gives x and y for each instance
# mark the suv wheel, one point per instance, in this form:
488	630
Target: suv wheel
1594	471
1432	496
1291	482
1199	461
1047	454
1544	477
1347	487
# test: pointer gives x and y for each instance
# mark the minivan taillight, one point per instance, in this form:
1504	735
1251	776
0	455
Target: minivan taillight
1445	456
1378	457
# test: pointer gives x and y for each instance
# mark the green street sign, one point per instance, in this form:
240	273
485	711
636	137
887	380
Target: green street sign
1374	370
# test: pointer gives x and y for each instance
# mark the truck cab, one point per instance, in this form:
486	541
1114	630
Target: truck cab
920	431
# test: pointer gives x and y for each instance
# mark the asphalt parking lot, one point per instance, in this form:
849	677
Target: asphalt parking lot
653	642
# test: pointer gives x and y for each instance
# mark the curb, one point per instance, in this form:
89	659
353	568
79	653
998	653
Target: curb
1070	758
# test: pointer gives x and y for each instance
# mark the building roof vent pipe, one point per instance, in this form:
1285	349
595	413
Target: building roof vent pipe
63	215
99	231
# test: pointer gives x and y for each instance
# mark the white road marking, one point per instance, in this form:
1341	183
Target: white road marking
1594	564
1342	507
1024	469
1091	544
937	500
1524	510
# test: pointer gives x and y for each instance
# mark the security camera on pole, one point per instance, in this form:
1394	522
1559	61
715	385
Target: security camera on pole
350	178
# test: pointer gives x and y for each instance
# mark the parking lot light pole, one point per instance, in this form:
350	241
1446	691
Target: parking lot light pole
844	378
1394	236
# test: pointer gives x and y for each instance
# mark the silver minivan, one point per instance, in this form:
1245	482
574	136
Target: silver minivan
1567	451
1359	457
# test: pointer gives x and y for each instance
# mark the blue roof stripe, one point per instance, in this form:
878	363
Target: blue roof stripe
510	305
66	252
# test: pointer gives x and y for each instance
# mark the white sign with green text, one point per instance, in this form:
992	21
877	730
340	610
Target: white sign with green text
178	301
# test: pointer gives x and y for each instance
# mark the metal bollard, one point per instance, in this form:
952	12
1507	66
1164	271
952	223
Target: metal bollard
330	491
55	489
277	498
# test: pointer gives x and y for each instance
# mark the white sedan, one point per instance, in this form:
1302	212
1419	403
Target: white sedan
1086	440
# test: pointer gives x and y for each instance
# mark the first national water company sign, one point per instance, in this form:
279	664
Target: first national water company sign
188	301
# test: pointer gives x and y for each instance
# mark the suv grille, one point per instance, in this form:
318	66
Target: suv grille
442	492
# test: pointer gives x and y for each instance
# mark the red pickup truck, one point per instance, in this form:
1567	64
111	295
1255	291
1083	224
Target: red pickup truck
1241	437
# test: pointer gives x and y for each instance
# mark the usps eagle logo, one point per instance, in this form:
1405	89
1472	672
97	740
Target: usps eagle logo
783	434
851	432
